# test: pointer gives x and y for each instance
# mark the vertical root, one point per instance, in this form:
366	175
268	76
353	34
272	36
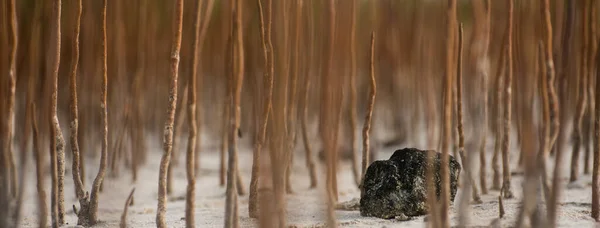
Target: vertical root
57	145
39	170
123	223
168	130
506	176
368	118
353	114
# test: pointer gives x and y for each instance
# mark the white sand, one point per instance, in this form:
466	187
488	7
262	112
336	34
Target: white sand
306	207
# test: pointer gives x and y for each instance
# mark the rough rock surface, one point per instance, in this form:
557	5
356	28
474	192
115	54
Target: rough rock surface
397	187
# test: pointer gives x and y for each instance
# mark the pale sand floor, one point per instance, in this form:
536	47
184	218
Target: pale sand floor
306	207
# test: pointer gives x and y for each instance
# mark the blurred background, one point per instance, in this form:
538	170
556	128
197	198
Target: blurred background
409	63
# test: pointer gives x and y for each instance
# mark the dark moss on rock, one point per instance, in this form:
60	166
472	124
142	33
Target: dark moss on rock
397	186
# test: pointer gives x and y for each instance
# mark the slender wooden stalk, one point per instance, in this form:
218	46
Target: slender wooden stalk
596	166
432	198
500	71
482	165
73	105
531	183
123	223
204	27
93	213
180	116
479	57
42	212
506	185
590	88
368	118
4	156
87	214
12	84
292	115
543	153
193	128
136	130
33	115
466	161
582	101
335	156
118	148
285	72
178	130
268	85
54	174
224	138
120	69
352	111
231	209
446	140
554	114
278	132
310	164
168	130
327	116
461	135
58	139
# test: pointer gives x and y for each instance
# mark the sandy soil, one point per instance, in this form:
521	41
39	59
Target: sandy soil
305	207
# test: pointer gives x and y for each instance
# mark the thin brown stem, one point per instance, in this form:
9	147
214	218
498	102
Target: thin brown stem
469	186
118	148
42	213
58	139
292	115
178	130
231	209
123	223
310	164
553	102
224	139
590	87
12	83
500	71
327	119
204	27
136	128
582	101
180	116
88	206
93	213
531	181
168	130
554	114
352	111
447	124
368	118
543	153
54	174
506	184
480	63
73	105
596	166
193	128
268	85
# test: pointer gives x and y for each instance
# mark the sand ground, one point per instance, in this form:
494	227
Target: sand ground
305	207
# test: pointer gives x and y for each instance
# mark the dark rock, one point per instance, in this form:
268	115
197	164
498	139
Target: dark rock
397	186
